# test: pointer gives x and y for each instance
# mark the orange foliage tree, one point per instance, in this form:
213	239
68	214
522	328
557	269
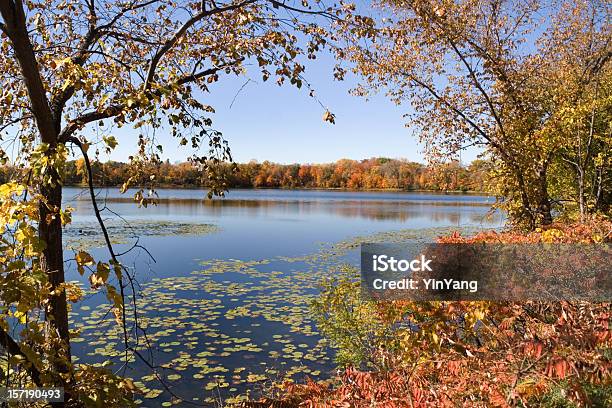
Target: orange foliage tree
374	173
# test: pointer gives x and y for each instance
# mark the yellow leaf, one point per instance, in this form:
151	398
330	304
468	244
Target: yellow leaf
21	316
102	270
83	258
329	117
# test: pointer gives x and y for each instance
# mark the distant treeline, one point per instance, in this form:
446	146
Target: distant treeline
369	174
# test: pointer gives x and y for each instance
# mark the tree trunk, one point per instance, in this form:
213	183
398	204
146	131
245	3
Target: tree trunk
52	262
581	203
527	212
544	209
602	192
50	227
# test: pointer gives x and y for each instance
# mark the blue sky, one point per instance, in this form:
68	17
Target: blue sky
284	125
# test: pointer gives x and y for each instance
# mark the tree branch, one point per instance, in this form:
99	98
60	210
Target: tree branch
181	32
194	77
492	142
478	86
452	107
207	13
114	110
12	122
278	4
107	240
15	21
83	51
124	10
59	101
86	118
10	345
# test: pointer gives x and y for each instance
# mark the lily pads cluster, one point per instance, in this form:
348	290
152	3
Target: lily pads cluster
87	234
227	330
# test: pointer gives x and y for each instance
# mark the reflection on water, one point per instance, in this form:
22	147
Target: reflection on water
452	209
297	195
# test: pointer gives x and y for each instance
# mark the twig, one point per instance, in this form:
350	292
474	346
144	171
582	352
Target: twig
109	245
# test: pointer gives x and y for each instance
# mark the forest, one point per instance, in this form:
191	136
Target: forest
368	174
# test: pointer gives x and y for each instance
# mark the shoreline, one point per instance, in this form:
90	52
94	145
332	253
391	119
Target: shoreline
340	189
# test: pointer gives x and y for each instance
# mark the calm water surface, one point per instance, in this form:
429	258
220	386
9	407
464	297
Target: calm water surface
224	311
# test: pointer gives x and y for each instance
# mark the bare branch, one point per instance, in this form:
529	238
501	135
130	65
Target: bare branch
107	240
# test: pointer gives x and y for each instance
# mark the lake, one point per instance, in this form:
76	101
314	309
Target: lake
225	284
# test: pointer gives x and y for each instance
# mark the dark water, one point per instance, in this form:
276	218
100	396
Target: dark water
225	308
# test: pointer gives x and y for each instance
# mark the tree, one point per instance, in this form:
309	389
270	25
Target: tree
583	95
70	67
484	73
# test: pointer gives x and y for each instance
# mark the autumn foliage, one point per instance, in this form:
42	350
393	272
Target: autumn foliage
477	354
367	174
527	80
